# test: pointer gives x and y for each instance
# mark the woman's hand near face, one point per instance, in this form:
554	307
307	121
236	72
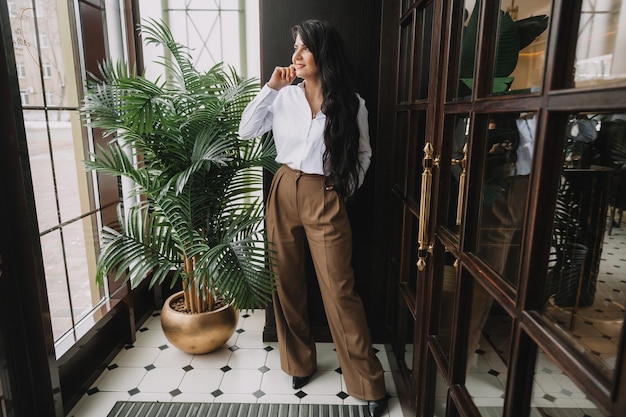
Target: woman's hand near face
281	77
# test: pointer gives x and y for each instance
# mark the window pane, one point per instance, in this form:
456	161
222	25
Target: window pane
56	282
406	61
554	393
441	393
601	46
211	29
63	192
586	290
26	53
421	65
446	308
468	49
69	171
509	153
409	347
399	149
42	173
417	141
488	353
56	82
521	46
80	241
406	4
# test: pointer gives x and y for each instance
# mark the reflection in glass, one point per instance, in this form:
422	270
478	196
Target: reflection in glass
586	280
468	51
601	46
554	393
488	352
408	356
441	396
409	330
446	309
509	154
520	47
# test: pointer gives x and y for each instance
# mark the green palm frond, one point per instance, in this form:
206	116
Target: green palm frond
179	66
238	263
177	141
141	248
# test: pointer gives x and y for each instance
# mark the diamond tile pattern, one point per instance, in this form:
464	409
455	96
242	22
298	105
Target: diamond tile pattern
245	370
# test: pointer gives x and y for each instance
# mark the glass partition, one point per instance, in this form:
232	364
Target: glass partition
554	393
422	69
509	155
441	395
521	46
601	44
488	353
406	51
586	288
446	309
467	52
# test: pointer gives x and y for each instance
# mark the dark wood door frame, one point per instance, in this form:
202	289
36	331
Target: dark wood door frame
30	385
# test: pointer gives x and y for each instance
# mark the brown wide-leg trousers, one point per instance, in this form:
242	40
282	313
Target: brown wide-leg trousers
300	208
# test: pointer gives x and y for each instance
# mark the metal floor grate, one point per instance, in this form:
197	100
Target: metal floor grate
179	409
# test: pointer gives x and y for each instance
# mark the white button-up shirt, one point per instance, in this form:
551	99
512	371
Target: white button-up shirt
298	136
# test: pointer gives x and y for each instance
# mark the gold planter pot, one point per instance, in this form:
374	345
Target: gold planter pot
197	333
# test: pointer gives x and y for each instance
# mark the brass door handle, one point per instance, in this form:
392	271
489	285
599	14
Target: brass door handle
427	182
461	197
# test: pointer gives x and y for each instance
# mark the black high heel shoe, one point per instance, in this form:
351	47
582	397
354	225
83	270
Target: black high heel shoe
377	407
300	381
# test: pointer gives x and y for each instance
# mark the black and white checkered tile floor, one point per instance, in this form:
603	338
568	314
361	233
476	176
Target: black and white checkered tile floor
247	370
594	329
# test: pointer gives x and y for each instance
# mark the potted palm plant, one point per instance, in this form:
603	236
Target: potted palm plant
197	220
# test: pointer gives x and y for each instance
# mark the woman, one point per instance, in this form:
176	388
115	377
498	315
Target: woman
322	140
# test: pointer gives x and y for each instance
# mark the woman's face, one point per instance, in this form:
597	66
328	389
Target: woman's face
303	60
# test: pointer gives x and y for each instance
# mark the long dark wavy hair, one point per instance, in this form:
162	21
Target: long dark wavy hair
340	103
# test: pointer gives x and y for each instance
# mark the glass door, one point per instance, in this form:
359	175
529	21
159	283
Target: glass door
506	247
407	122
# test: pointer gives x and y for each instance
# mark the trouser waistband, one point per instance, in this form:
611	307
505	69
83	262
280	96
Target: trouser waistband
297	173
